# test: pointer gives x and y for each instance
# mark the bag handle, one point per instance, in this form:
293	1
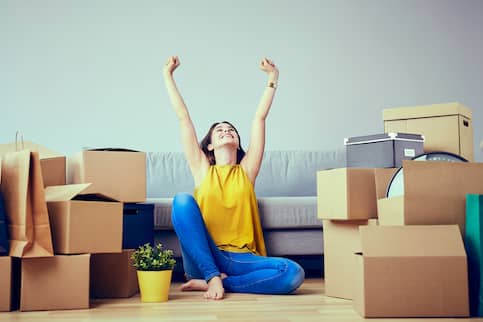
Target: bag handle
17	135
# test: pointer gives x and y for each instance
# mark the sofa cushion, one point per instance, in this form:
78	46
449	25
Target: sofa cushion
275	212
282	174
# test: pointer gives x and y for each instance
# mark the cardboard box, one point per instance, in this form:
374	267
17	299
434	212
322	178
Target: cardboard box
120	175
53	171
55	283
385	150
382	178
113	276
474	251
341	241
346	193
446	127
5	283
80	226
138	225
434	194
411	271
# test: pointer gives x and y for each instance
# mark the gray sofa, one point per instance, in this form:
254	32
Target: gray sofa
286	192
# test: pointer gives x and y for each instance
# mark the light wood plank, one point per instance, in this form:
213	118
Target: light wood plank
308	304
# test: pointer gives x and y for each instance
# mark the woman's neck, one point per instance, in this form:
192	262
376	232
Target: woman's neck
225	156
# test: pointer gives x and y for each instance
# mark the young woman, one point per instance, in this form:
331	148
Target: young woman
219	227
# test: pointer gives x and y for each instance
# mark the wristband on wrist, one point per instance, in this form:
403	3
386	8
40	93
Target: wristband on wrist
272	85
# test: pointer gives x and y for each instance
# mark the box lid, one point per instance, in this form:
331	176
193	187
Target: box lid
403	113
411	241
64	192
384	137
70	191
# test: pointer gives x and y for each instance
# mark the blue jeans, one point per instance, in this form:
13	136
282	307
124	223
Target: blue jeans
247	272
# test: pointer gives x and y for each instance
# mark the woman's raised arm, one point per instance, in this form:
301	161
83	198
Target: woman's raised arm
193	153
253	158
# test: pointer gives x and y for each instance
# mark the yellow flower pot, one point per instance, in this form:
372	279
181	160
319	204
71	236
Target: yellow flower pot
154	285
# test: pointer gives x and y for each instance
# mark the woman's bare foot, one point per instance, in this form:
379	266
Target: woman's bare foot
215	289
195	285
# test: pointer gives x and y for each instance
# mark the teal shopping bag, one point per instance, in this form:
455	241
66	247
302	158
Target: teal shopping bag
474	251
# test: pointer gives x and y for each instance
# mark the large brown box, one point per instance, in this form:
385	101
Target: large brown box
446	127
411	271
53	171
113	276
120	175
434	194
341	241
80	226
60	282
346	193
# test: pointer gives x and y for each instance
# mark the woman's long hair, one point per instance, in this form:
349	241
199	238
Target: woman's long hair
240	153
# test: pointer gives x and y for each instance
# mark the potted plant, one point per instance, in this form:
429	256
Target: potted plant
154	267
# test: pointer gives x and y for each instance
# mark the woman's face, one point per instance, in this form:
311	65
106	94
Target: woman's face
224	134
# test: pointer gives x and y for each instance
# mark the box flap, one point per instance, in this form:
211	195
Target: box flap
411	241
64	192
403	113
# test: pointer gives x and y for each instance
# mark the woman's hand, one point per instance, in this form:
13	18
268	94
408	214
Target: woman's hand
268	66
171	65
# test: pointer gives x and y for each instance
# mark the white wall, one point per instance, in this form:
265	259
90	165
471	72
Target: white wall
88	73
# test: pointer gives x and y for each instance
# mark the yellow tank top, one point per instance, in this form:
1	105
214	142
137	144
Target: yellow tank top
229	208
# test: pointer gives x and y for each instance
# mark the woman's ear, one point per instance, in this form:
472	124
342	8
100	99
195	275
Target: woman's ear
210	147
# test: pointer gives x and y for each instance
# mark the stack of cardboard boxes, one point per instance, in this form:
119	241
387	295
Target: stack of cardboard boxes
86	195
403	256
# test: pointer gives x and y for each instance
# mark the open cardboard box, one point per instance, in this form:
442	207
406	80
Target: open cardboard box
83	226
411	271
121	175
434	194
341	241
346	194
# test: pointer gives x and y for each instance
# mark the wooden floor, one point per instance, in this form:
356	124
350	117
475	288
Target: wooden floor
307	305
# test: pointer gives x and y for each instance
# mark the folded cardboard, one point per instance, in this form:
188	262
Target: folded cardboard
82	226
138	225
474	251
446	127
113	276
60	282
53	171
346	193
385	150
341	241
120	175
411	271
434	194
382	178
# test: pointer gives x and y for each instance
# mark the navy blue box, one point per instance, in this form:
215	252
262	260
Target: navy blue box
4	242
137	225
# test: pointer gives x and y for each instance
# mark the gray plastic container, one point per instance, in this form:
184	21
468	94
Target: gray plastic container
386	150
